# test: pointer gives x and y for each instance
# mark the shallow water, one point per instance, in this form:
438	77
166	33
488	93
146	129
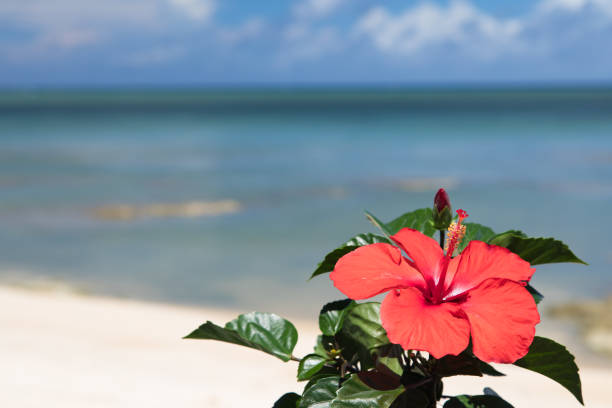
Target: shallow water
302	166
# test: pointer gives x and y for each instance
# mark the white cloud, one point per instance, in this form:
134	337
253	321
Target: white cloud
316	8
571	5
428	25
555	39
56	42
304	37
201	10
302	41
248	30
575	5
306	43
555	36
57	13
68	24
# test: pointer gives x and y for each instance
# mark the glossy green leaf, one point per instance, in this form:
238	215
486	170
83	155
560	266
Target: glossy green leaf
324	373
378	223
537	296
365	239
355	394
362	333
474	231
332	316
389	356
555	362
262	331
309	366
210	331
466	363
289	400
477	401
320	394
536	251
381	378
420	220
329	262
488	369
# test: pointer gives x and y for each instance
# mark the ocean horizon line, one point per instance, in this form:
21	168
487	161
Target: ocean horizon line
493	86
315	100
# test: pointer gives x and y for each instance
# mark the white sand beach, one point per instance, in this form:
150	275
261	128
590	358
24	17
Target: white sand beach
61	349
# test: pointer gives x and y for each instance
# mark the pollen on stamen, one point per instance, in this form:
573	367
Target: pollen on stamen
455	233
454	236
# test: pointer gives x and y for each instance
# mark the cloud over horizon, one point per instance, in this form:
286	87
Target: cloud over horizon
208	41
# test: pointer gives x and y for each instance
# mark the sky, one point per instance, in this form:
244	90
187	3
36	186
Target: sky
238	42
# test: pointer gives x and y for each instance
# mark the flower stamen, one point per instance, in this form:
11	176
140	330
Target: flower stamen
456	232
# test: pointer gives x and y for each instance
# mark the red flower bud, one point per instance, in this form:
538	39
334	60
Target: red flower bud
441	200
441	213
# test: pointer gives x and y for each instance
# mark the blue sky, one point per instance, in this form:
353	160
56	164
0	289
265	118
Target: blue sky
174	42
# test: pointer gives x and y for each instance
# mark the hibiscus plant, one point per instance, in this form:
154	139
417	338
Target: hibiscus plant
454	304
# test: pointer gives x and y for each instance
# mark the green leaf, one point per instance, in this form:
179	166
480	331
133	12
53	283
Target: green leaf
420	220
477	401
329	262
309	366
378	223
320	394
355	394
517	233
389	355
382	378
474	231
324	373
261	331
537	296
462	364
536	251
488	369
365	239
362	333
555	362
332	316
466	363
289	400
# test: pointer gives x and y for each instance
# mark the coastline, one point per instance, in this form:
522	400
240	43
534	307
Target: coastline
61	348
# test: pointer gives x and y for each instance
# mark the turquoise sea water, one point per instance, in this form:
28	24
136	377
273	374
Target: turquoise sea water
303	164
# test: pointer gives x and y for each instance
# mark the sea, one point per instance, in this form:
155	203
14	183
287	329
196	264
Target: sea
230	197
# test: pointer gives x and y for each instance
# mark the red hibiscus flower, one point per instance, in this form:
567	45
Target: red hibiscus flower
437	301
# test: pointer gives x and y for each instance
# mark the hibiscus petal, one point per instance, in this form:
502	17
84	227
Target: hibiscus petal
373	269
415	324
502	315
423	250
450	273
480	261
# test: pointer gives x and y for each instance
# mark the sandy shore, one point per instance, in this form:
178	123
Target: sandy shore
60	349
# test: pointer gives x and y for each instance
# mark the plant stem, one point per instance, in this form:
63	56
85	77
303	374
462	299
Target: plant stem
441	238
434	392
419	383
